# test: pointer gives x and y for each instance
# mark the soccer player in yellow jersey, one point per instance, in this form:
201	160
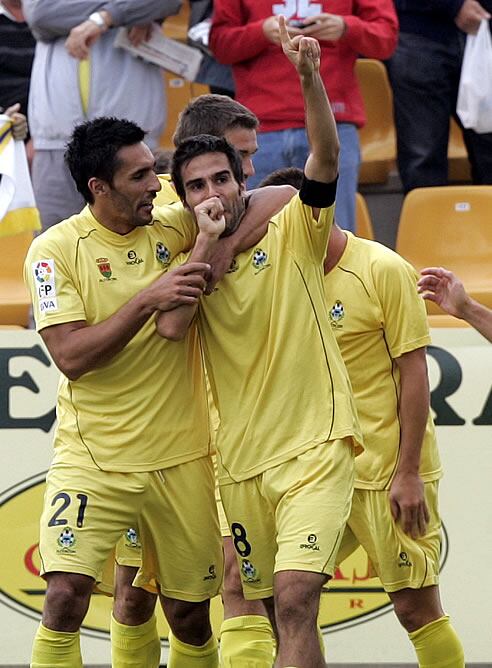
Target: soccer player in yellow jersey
288	427
380	324
132	443
246	633
381	327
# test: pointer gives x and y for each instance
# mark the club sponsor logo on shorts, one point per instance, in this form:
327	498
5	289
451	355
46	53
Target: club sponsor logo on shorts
67	541
133	258
249	572
259	261
104	266
162	253
404	560
212	575
131	538
44	277
311	543
337	314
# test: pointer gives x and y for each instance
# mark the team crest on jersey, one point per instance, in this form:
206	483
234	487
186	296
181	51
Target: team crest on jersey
259	261
44	277
162	253
66	540
105	270
337	314
132	538
249	571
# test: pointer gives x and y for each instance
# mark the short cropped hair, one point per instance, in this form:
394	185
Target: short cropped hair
292	176
212	115
93	150
199	145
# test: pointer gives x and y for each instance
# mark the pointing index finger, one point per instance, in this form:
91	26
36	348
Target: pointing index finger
284	35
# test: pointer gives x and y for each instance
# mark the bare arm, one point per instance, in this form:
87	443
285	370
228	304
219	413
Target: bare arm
407	489
304	53
447	291
77	347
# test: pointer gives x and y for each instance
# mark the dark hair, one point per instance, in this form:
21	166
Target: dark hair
291	176
163	160
212	115
93	150
199	145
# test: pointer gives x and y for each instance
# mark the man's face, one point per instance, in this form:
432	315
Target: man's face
245	143
134	187
210	175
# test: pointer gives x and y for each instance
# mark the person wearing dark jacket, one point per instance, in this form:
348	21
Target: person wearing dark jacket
425	73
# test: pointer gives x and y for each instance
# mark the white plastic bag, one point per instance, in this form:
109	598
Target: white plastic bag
474	106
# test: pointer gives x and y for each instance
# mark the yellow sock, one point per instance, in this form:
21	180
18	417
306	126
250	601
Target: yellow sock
182	655
246	642
437	645
56	649
135	646
321	643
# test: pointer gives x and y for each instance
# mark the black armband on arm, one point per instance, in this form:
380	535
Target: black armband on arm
317	194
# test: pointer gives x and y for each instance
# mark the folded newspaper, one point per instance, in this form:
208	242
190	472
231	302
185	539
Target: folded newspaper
167	53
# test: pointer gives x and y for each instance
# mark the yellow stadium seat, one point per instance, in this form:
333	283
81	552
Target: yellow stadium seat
377	137
450	226
363	224
446	320
14	297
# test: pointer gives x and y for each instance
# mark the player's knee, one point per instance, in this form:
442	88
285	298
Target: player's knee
189	622
133	605
66	601
410	616
295	606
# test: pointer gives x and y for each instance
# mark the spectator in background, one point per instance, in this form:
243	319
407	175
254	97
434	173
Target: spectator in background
245	34
78	75
425	74
16	55
212	73
447	291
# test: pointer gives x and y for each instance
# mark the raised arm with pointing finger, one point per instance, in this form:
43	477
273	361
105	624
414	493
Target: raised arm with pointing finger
447	291
321	166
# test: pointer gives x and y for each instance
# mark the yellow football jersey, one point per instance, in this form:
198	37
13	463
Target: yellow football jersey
276	373
146	409
377	315
167	194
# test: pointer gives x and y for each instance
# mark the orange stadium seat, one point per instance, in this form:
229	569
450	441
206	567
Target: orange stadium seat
458	163
450	226
179	91
14	298
377	137
363	224
446	320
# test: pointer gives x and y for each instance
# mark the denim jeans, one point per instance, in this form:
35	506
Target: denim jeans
290	148
425	77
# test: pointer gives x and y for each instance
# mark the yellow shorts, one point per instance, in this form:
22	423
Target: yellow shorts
171	514
399	560
291	517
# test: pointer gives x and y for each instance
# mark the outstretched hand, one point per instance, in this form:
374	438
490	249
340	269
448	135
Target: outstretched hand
303	52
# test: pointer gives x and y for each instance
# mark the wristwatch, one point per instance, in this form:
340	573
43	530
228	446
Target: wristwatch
98	19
